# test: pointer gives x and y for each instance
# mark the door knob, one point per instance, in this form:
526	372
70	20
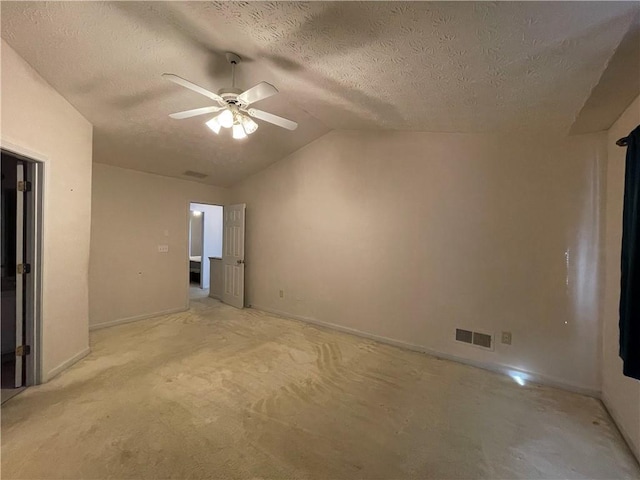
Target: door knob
240	262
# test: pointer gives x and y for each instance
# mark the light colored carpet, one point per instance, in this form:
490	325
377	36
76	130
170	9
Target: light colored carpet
195	292
221	393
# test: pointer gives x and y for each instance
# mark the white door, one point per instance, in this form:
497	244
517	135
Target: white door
19	272
233	255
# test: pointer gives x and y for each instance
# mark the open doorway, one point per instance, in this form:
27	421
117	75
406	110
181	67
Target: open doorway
205	250
21	210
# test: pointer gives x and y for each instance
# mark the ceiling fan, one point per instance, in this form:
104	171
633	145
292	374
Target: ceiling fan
233	104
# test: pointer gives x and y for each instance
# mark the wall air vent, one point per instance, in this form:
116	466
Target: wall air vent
465	336
190	173
482	340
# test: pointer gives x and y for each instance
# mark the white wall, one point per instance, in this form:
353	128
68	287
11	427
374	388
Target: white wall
133	213
621	394
195	234
37	120
409	235
212	239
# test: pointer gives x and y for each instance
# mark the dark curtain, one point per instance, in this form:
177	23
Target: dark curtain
630	281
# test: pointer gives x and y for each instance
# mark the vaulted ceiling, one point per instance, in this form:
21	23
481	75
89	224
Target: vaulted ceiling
428	66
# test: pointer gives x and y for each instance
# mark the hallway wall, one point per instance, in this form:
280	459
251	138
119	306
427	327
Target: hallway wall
134	213
212	235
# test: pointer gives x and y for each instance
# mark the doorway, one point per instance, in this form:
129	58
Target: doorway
21	218
205	250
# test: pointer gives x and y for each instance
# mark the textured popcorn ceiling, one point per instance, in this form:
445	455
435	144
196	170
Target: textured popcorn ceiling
446	66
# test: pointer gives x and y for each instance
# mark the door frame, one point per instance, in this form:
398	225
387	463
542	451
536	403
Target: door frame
202	216
188	221
36	170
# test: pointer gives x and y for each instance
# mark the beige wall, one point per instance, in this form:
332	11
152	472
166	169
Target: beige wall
133	213
38	121
407	236
621	394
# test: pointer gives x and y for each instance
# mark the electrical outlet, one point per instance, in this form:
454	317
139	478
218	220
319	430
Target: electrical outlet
163	248
506	338
281	293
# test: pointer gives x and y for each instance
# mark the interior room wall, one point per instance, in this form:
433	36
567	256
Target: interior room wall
133	214
39	121
195	234
405	236
212	246
620	394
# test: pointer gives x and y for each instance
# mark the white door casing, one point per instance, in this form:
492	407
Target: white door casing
203	257
233	255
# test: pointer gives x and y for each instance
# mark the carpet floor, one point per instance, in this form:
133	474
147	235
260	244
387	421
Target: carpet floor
217	392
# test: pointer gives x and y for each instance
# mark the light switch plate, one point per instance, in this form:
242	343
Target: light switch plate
163	248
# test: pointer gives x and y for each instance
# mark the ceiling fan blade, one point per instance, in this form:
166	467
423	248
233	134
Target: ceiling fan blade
195	112
192	86
257	92
271	118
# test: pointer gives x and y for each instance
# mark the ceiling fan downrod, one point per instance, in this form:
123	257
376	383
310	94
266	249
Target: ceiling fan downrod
234	60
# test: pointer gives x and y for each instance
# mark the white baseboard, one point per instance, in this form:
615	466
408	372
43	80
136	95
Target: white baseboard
613	413
494	367
120	321
66	364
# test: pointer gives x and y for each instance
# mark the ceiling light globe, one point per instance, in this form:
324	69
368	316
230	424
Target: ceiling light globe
214	125
238	132
226	119
249	125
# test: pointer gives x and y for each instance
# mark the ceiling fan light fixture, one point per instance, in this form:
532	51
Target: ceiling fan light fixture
214	125
234	106
225	119
249	125
238	132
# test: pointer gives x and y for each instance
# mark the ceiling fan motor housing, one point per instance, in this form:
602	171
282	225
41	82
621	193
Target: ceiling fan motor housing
230	95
